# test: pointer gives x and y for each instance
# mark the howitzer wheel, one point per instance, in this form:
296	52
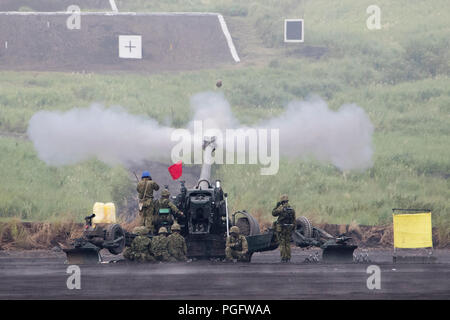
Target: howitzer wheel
113	232
304	227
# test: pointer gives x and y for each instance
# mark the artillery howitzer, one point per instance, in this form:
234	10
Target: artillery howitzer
334	249
207	222
205	226
86	249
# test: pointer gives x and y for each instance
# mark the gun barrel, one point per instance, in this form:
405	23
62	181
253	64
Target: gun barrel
209	146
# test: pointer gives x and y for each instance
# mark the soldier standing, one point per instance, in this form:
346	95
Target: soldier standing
145	189
284	226
159	246
237	246
166	212
140	249
177	245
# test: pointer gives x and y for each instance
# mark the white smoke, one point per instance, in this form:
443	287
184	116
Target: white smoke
213	110
309	128
110	135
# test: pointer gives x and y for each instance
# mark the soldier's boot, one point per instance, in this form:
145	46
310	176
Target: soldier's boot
165	257
137	257
228	255
284	252
127	254
150	258
243	258
172	259
181	258
287	256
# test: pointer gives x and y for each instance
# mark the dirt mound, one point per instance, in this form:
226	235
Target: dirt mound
42	235
28	235
170	42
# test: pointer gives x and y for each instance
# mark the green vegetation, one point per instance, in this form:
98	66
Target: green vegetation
31	190
399	75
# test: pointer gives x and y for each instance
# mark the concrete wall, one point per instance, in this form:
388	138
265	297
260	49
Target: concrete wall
52	5
169	41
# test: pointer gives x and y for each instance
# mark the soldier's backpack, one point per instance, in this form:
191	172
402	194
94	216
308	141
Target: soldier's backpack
288	215
165	218
164	211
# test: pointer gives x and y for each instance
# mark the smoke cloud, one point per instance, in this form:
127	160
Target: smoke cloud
307	128
310	128
110	135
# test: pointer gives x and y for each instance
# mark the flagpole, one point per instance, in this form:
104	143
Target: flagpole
226	210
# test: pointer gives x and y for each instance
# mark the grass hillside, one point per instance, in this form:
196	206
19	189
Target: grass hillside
399	75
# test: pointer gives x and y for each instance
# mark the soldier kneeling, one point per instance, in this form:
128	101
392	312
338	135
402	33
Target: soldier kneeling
140	249
177	244
159	246
237	246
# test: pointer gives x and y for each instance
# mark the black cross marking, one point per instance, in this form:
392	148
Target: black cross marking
130	46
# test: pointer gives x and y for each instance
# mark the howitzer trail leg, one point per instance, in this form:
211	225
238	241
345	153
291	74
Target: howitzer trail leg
83	255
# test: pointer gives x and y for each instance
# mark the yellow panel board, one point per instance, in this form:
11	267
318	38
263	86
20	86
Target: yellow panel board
413	230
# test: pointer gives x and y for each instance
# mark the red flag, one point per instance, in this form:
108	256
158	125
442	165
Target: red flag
176	170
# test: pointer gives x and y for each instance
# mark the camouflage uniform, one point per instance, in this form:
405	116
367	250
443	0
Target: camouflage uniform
177	245
237	246
165	220
146	198
284	226
159	246
140	247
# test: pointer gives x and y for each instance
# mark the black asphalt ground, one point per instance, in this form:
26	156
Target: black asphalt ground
42	275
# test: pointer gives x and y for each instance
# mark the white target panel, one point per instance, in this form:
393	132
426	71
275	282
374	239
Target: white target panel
130	47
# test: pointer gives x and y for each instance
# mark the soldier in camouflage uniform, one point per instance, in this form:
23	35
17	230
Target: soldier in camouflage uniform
177	245
140	249
159	246
237	246
145	189
284	226
165	212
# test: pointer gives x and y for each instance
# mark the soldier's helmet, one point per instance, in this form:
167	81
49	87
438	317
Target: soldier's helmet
284	197
234	229
176	227
141	231
145	174
162	230
165	193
